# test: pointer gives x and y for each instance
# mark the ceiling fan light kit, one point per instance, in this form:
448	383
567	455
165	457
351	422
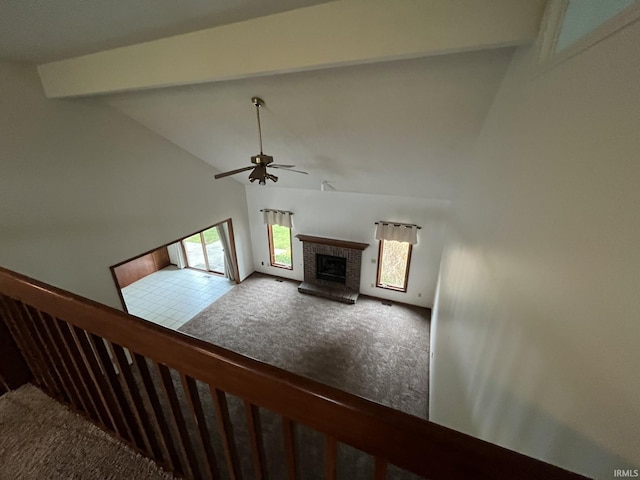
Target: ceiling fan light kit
261	161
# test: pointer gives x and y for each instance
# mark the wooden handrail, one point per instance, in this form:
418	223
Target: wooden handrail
409	442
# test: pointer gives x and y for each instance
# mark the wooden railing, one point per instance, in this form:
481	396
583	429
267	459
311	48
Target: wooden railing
202	411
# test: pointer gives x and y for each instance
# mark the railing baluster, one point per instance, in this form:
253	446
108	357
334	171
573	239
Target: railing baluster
22	339
30	324
226	431
166	438
51	327
91	364
72	390
133	395
195	405
18	337
331	457
381	469
14	371
30	332
76	365
33	324
192	469
116	390
85	375
255	437
290	448
59	374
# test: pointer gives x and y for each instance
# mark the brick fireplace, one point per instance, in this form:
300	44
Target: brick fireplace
331	267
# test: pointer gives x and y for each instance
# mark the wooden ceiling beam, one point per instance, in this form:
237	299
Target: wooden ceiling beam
343	32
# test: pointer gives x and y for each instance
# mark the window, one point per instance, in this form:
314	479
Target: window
280	246
393	265
572	26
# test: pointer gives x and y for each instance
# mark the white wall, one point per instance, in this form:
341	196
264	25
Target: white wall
351	216
536	329
83	187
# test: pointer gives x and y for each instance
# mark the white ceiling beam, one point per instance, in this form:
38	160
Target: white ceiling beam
344	32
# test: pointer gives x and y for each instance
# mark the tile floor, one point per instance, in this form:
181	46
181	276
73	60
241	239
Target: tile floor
172	296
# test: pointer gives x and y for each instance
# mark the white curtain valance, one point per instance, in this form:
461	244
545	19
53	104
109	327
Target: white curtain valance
277	217
397	232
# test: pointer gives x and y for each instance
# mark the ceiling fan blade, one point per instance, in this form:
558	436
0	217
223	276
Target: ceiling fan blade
232	172
287	169
277	165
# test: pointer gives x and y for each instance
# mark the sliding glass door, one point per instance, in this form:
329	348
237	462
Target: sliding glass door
194	252
204	251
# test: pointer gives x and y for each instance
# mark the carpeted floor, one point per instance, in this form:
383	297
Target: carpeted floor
40	438
376	351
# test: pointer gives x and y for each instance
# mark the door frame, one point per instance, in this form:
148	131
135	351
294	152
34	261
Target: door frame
234	256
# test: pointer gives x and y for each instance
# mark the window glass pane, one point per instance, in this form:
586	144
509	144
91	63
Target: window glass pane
394	264
281	248
584	16
195	255
215	253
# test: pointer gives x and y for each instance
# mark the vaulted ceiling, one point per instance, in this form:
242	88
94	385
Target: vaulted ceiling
399	128
375	96
44	31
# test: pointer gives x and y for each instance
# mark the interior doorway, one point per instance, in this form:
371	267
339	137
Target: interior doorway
172	283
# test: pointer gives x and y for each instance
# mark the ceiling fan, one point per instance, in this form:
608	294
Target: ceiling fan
261	161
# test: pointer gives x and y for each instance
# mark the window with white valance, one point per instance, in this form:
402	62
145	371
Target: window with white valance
277	217
400	232
394	254
279	225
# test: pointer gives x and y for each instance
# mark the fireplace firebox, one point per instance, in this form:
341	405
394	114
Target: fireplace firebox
330	268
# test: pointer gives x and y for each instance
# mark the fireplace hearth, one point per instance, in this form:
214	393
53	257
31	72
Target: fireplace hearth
331	268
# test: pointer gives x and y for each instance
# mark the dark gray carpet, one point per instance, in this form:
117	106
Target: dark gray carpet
369	349
40	438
